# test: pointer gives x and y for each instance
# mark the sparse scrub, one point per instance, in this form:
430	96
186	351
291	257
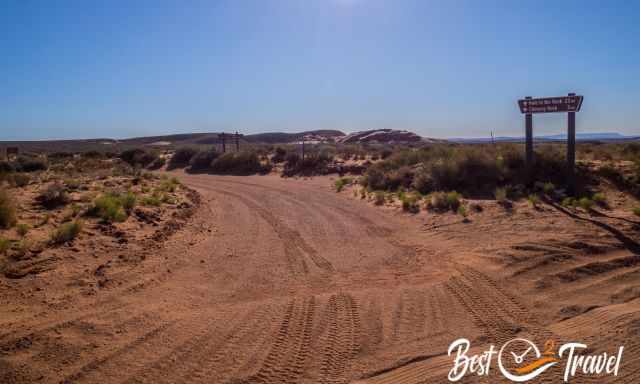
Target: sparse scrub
5	244
21	180
462	211
534	200
181	157
239	163
112	207
410	203
342	182
636	211
501	195
53	196
138	157
202	160
66	232
22	229
312	164
585	203
151	201
379	198
569	202
31	164
548	188
600	199
8	210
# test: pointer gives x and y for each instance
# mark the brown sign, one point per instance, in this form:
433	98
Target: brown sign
551	104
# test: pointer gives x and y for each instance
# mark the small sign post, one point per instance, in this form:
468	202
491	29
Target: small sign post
569	104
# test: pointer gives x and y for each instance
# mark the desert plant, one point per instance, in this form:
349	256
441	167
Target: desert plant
548	188
342	182
31	164
600	199
462	211
181	157
585	203
5	244
636	211
202	160
138	157
501	195
112	207
53	196
21	180
568	202
410	203
72	184
534	200
239	163
151	201
157	163
378	198
8	215
22	229
66	232
453	200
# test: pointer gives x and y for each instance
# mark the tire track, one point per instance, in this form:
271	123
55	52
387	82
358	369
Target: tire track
291	349
343	338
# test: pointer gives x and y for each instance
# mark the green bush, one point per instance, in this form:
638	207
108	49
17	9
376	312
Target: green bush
8	215
569	202
138	157
239	163
548	188
112	207
312	164
501	195
5	244
22	229
378	198
636	211
534	200
585	203
445	201
462	211
66	232
53	196
202	160
151	201
410	203
181	157
600	199
31	164
342	182
21	180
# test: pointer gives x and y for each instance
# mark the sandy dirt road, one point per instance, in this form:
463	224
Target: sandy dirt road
286	281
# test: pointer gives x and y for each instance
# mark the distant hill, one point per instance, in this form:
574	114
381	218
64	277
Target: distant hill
282	137
389	136
600	136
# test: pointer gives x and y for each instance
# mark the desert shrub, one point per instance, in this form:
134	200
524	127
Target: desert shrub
66	232
422	181
401	177
342	182
501	195
548	188
22	229
379	198
534	200
202	160
585	203
31	164
151	201
168	185
444	201
239	163
600	199
636	211
138	157
53	196
92	155
6	167
410	203
20	179
462	211
374	179
157	163
72	184
312	164
279	156
8	215
5	244
113	207
569	202
182	157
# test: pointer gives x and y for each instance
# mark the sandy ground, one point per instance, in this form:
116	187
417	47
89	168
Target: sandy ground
286	281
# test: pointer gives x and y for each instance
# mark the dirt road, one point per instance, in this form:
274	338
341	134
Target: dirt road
286	281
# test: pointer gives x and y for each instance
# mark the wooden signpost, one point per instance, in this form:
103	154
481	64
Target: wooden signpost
569	104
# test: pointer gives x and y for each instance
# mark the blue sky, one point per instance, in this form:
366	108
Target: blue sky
82	69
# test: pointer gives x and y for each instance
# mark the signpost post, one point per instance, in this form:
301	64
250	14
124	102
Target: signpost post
569	104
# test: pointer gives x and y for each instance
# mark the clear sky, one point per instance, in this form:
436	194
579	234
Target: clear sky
82	69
